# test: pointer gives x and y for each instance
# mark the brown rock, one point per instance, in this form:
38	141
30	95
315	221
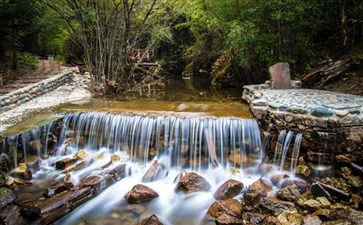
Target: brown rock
251	198
192	182
289	193
152	220
10	215
229	189
252	218
22	172
290	217
65	163
303	170
261	185
226	219
300	184
271	220
140	193
230	207
276	206
35	146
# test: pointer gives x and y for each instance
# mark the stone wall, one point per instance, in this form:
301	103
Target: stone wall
23	95
331	123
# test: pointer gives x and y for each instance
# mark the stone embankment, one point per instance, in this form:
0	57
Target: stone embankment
46	94
332	117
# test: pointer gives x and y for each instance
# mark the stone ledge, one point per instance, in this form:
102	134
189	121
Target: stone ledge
23	95
308	108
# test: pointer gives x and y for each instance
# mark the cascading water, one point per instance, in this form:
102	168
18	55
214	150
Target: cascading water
217	148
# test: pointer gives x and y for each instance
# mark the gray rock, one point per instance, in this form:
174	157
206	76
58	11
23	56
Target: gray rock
280	76
229	189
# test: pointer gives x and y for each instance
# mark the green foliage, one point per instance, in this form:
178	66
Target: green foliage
28	59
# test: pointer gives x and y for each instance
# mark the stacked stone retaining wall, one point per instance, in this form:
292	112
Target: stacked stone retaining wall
331	123
23	95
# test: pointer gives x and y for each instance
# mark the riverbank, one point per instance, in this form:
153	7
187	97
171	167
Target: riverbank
75	88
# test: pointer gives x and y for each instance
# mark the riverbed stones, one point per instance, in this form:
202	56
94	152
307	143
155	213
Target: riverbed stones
140	193
228	189
192	182
289	193
7	196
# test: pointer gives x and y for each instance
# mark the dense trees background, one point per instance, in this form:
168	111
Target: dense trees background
233	41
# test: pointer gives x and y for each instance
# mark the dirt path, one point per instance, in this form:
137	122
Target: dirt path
45	69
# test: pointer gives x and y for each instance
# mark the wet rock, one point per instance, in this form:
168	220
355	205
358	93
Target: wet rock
251	198
360	204
230	207
240	161
252	218
340	211
355	181
300	184
140	193
342	159
321	112
312	220
226	219
5	162
22	172
154	172
35	146
30	214
318	190
152	220
7	196
312	205
277	178
80	155
192	182
303	170
65	163
289	193
229	189
338	222
57	188
290	217
276	206
261	185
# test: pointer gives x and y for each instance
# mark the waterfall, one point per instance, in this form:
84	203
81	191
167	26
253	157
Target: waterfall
282	149
142	136
295	152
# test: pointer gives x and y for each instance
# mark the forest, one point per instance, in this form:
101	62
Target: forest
232	41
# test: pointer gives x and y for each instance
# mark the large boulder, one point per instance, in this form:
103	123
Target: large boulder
229	189
230	207
140	193
192	182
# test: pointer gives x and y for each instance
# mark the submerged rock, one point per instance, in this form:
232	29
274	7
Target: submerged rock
152	220
231	207
154	172
228	189
140	193
192	182
7	196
